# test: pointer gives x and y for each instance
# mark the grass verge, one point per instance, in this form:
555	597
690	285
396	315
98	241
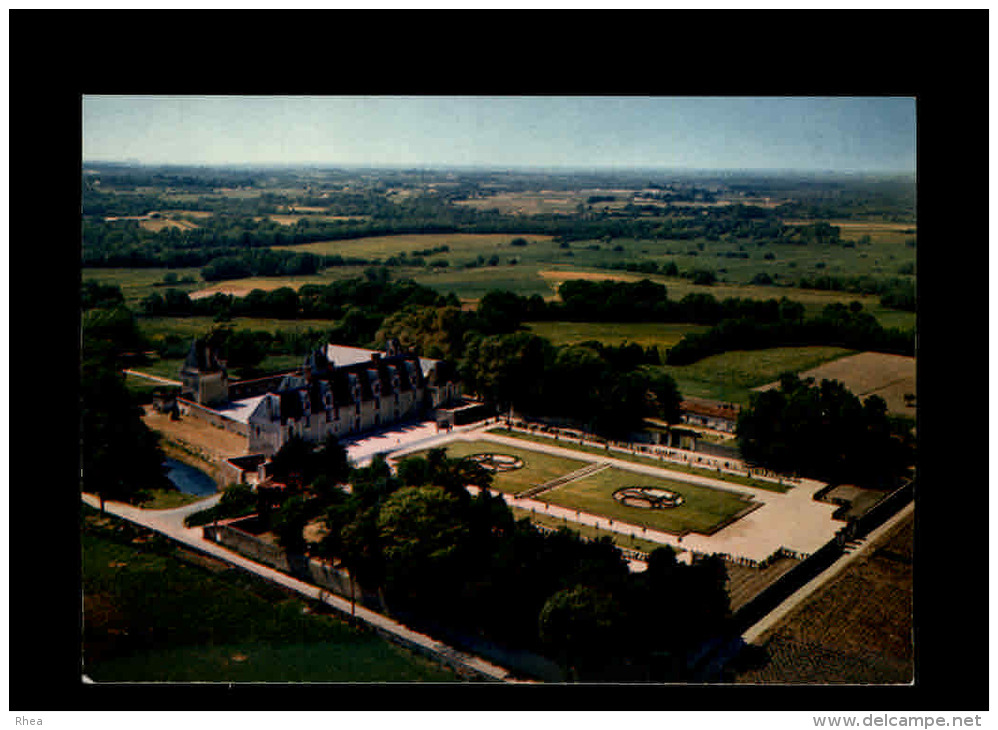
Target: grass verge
151	616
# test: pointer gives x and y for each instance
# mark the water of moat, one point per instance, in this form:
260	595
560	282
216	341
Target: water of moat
188	479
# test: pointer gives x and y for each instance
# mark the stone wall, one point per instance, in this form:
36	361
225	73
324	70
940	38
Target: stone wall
313	571
190	408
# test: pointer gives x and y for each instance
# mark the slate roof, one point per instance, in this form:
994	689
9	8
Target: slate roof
360	380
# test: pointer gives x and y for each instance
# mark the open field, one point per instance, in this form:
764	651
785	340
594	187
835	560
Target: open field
539	268
159	224
856	629
878	231
542	202
662	335
187	327
703	510
461	245
538	467
156	613
870	373
732	376
137	284
307	214
470	285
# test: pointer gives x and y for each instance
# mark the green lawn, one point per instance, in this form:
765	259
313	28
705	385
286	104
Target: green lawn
646	460
149	616
538	467
702	510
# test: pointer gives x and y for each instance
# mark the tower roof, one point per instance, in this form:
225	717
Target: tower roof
201	358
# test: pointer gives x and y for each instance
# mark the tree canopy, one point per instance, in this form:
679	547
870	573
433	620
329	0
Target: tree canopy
826	432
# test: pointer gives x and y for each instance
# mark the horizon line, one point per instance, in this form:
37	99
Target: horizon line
495	167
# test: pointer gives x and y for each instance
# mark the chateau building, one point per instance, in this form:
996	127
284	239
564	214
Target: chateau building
339	390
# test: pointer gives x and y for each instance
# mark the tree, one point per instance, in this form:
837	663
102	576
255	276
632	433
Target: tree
826	432
423	536
581	626
293	463
436	332
499	312
664	397
288	524
507	370
243	349
109	333
120	455
332	460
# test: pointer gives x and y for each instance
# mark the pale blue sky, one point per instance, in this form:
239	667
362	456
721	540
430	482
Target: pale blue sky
846	134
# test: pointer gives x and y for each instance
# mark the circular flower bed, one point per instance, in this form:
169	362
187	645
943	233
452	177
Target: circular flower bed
648	497
497	462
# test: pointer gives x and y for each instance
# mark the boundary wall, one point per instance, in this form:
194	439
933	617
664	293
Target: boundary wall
822	558
219	420
338	582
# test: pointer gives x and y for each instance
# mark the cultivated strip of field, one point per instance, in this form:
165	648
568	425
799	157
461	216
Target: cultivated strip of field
459	244
855	629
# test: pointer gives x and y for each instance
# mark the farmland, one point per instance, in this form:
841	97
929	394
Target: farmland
662	335
892	377
469	233
461	247
732	376
856	629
